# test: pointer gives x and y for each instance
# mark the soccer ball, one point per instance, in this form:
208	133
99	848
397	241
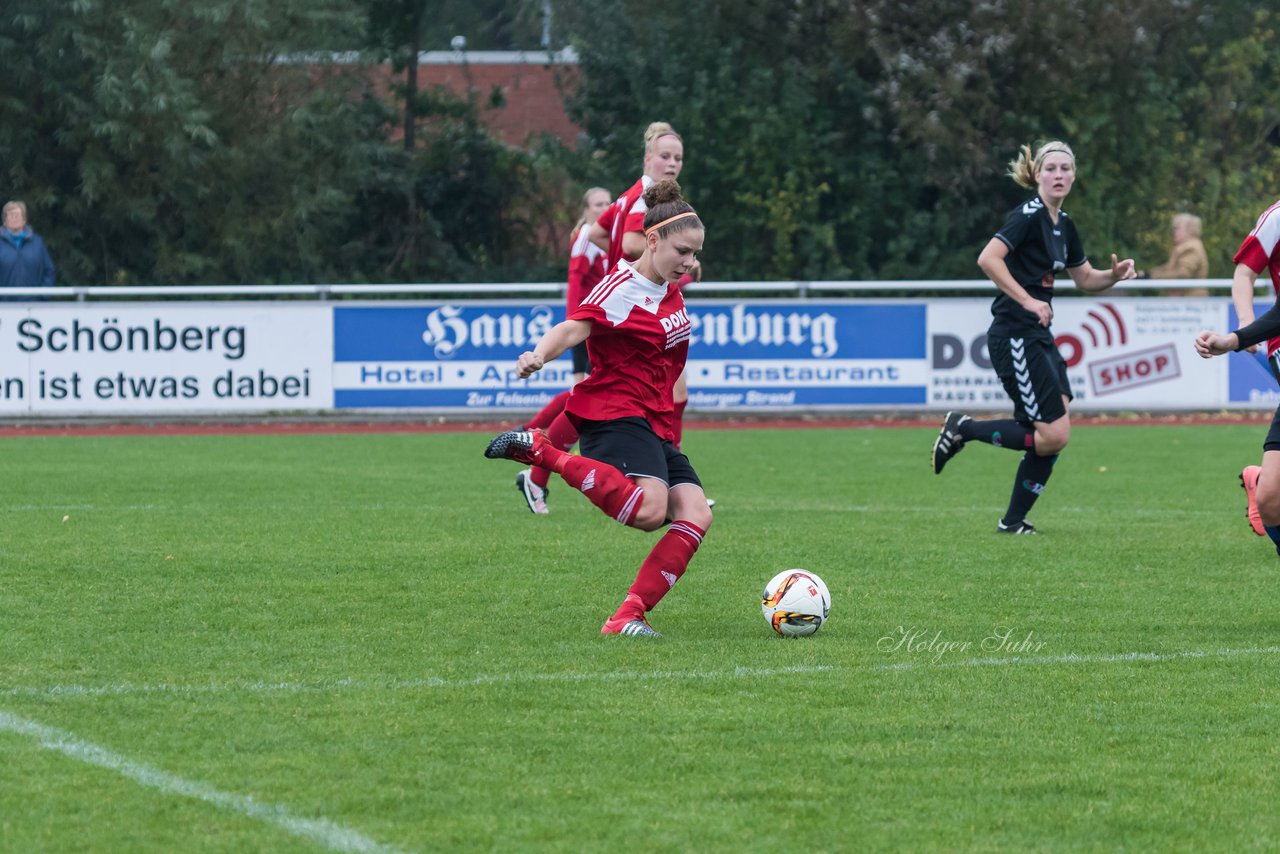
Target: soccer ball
795	603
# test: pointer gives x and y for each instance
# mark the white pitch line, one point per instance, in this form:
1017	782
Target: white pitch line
127	688
320	831
889	509
431	682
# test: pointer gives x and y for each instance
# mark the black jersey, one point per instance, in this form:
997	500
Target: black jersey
1038	250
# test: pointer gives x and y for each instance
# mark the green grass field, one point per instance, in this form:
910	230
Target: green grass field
366	643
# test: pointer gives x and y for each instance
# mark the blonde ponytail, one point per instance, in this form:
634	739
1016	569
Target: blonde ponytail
1025	166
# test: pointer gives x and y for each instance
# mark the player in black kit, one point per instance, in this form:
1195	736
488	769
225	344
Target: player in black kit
1036	242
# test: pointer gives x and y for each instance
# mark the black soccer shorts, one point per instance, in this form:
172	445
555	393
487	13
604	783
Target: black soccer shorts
631	446
1033	372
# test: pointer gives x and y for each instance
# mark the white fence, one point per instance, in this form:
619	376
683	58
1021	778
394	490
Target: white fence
801	289
266	350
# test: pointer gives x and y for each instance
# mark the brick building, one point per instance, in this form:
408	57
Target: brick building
532	84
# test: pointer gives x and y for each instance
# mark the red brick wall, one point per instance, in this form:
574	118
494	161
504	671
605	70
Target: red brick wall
533	102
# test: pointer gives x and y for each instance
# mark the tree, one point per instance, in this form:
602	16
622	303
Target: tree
167	141
870	139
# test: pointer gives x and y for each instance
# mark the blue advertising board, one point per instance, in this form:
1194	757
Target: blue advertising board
758	355
1249	378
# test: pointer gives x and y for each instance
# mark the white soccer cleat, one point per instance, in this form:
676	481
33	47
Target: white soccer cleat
535	496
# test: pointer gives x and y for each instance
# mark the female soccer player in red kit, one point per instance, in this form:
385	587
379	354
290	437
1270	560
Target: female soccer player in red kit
637	332
586	269
1260	251
620	229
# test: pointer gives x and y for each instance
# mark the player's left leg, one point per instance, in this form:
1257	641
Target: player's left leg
670	556
1035	469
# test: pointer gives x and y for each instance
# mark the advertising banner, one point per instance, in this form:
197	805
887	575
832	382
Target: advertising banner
766	355
443	356
1251	381
142	358
776	356
1120	354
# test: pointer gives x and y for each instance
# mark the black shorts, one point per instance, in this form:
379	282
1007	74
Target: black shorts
1033	372
631	446
581	362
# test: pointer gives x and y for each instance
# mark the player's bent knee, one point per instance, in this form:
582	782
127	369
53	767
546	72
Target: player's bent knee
1051	442
1051	449
701	518
649	518
1268	504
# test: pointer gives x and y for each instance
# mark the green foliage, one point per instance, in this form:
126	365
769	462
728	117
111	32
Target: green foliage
216	141
894	122
177	142
165	142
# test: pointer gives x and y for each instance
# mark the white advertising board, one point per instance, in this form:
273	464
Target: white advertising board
144	358
1120	353
156	358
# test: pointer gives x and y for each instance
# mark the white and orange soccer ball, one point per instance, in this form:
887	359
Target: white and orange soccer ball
795	603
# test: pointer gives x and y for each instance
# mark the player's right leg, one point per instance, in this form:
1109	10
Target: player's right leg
604	485
950	441
533	483
670	556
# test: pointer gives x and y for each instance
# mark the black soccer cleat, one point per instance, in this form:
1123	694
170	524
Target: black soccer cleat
1023	527
523	446
949	441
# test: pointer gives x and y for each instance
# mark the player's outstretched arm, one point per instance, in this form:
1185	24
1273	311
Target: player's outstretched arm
559	338
1210	344
1092	281
1243	283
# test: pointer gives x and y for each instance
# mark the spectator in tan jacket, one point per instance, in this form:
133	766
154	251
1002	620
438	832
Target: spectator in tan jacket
1188	259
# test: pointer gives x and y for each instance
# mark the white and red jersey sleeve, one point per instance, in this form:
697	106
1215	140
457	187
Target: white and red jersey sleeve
628	212
638	345
586	266
1261	249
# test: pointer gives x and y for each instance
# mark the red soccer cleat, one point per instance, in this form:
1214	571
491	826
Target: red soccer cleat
629	620
633	628
1249	481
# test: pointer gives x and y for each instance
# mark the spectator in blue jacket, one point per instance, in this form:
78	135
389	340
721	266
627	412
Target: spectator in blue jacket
24	260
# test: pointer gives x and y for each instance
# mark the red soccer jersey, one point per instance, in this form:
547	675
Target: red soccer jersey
586	267
1261	251
625	214
638	344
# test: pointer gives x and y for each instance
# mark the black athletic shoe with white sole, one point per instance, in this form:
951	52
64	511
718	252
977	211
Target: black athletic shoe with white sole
949	441
523	446
1023	527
